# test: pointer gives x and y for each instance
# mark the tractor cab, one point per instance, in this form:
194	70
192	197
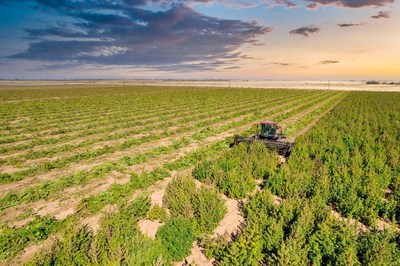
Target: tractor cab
269	130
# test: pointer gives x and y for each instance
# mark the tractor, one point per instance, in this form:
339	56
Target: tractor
270	134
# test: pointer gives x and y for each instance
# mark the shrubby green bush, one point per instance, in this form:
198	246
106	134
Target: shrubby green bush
157	213
209	209
235	172
118	241
204	206
296	232
179	196
177	236
13	240
379	248
349	159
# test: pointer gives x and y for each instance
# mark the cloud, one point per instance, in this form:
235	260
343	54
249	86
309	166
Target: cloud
327	62
124	32
382	14
312	6
232	67
346	25
79	4
350	3
287	3
306	30
280	63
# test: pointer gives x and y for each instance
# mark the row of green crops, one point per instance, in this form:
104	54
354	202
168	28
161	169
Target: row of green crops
119	240
235	173
181	123
194	115
348	161
48	165
300	231
118	193
43	191
74	114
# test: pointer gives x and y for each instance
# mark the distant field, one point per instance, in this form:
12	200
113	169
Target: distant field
261	84
101	156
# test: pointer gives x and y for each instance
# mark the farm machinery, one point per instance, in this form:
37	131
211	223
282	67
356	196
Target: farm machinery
270	134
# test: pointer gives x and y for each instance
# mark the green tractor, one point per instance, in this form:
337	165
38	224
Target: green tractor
270	134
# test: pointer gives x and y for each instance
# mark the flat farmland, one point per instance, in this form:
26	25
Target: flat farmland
100	169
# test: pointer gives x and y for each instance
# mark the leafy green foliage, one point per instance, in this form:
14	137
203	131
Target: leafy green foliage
157	213
349	159
179	196
379	248
204	206
236	171
118	241
177	236
13	240
296	232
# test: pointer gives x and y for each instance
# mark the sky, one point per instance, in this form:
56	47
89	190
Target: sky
200	39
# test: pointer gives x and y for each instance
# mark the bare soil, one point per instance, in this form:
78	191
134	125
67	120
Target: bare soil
149	228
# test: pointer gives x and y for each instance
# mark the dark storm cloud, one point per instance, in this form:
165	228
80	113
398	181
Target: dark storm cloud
327	62
350	3
306	30
124	33
382	14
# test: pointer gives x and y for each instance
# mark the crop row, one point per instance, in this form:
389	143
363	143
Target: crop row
110	110
60	163
119	107
119	192
99	122
112	229
130	109
140	126
44	190
350	160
